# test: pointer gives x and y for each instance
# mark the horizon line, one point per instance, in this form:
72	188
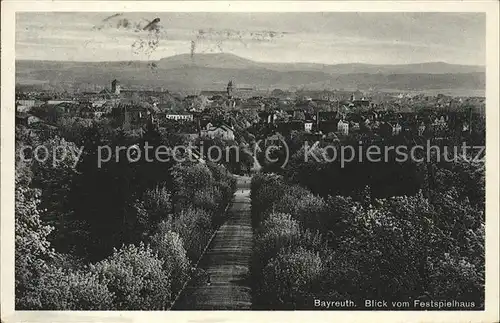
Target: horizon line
251	60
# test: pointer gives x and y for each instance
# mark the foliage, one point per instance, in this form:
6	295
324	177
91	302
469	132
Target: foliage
265	190
59	289
85	210
279	231
32	249
170	249
135	275
154	206
290	278
437	243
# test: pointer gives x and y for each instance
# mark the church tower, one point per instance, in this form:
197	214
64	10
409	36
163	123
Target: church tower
115	87
229	89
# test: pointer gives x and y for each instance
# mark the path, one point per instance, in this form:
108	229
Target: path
227	261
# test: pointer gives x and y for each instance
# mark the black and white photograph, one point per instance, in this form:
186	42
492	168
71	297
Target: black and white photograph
250	160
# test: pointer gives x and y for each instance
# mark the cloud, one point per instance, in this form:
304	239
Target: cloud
313	37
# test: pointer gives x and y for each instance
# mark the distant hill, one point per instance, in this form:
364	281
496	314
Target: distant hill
223	60
212	71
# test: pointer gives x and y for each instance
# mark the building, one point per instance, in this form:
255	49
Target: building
267	117
396	130
26	119
308	126
355	125
343	127
29	103
56	102
229	89
421	129
224	132
179	116
115	87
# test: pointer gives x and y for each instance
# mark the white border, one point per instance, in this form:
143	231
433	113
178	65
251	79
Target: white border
8	314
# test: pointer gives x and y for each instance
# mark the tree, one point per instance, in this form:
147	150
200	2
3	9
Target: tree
251	116
135	275
176	264
32	249
290	277
55	177
77	290
282	116
279	231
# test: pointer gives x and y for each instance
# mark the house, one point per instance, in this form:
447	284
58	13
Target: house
267	117
98	103
439	124
396	130
421	129
23	108
343	127
57	102
225	132
179	116
29	103
355	126
26	119
308	126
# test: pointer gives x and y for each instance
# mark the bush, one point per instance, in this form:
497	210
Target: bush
58	289
135	275
289	278
158	203
305	207
152	209
190	179
456	276
265	190
208	199
176	264
32	249
194	227
278	231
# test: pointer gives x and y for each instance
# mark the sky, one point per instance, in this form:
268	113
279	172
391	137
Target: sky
329	38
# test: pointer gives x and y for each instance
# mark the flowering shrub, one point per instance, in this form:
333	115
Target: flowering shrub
170	249
135	275
290	278
59	289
